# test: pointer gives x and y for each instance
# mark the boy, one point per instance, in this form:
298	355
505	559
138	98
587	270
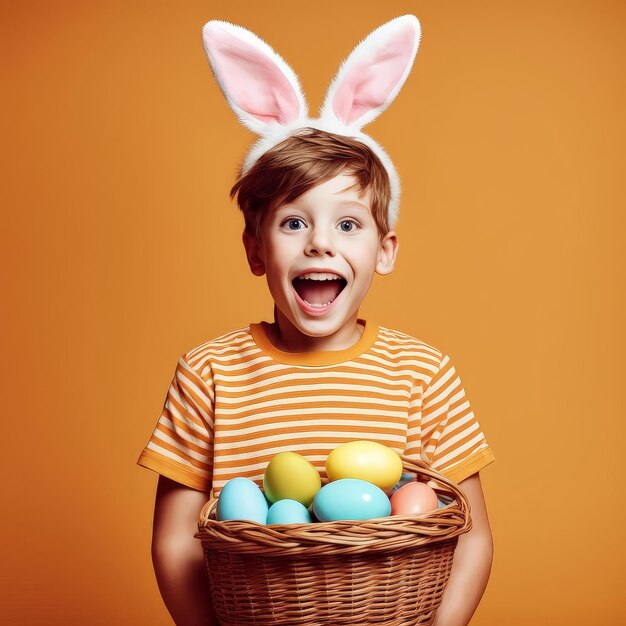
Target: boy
319	375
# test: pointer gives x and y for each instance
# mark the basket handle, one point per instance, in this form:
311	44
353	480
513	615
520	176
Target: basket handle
421	467
204	511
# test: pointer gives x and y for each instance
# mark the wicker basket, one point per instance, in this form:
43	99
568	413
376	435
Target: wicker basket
386	571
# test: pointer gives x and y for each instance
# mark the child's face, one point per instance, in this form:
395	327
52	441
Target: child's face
328	230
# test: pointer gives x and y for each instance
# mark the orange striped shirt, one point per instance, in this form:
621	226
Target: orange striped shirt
237	400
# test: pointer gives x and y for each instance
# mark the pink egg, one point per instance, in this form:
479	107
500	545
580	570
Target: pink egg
414	499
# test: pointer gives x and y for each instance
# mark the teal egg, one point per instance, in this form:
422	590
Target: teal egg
288	512
350	499
444	501
241	499
404	479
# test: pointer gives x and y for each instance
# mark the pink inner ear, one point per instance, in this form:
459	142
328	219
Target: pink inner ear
372	76
251	79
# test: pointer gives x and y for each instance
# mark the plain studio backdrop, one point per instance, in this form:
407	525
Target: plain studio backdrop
122	251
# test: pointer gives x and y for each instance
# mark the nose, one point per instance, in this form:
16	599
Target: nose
320	242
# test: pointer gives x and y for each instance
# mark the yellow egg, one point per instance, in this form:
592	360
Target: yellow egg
290	476
366	460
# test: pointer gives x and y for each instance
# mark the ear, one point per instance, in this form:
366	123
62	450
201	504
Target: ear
372	75
254	253
260	87
387	254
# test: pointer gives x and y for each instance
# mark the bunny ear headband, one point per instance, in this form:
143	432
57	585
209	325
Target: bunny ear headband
265	94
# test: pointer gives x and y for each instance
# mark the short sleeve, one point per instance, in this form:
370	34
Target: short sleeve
451	439
181	444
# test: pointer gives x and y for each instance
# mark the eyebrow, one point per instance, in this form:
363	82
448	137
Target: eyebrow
353	203
342	204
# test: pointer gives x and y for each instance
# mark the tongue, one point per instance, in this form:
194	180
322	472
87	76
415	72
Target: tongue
318	291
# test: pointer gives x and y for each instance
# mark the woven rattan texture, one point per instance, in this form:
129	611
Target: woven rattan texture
388	571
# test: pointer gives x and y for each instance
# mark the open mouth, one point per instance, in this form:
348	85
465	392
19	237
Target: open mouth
319	290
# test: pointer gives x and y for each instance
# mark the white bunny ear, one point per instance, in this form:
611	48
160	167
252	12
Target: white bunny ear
260	87
372	75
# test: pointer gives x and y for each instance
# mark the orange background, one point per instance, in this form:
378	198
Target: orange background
122	251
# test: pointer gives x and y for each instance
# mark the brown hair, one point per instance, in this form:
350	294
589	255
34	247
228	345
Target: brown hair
307	158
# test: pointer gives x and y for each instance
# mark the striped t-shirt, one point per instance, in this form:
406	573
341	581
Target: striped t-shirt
237	400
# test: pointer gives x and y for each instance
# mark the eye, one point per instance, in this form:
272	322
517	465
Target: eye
293	223
347	226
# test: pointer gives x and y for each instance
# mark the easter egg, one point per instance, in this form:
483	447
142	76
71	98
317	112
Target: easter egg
414	499
289	476
241	499
404	479
350	499
288	512
365	460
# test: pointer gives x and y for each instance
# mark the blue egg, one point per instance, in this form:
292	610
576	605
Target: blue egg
404	479
444	501
241	499
288	512
350	499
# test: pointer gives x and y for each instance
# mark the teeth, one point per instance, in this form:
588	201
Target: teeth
320	276
318	306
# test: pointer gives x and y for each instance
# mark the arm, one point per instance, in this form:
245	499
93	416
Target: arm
471	565
177	555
